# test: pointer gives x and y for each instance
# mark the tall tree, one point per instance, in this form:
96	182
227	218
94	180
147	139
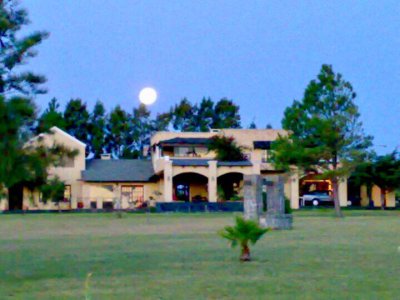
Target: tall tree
97	129
226	114
141	129
15	50
386	171
76	119
364	175
325	133
118	132
19	161
52	116
162	122
204	115
183	115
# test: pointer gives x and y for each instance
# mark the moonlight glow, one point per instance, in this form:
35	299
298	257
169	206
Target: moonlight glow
148	96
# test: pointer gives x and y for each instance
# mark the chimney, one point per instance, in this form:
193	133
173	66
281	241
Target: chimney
105	156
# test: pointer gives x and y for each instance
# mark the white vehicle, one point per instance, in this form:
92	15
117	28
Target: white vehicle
317	198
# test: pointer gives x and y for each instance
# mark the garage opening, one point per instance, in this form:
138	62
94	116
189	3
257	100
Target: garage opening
315	191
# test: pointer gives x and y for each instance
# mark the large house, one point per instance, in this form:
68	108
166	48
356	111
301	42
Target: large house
180	168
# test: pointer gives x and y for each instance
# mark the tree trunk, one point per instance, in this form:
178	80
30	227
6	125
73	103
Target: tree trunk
245	256
369	195
335	186
383	198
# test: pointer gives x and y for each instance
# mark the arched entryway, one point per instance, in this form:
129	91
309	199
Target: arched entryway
230	186
190	187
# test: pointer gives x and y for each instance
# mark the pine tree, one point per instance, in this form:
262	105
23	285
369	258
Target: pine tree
20	162
161	122
76	119
118	136
226	114
52	116
97	129
386	172
205	115
141	126
325	133
183	116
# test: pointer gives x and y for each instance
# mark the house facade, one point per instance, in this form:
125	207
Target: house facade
179	167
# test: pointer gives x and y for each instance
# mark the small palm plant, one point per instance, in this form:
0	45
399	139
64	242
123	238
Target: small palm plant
243	233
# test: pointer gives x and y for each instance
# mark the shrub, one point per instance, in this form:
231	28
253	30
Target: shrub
243	233
288	208
226	149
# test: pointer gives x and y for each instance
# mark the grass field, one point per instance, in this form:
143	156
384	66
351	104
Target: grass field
48	256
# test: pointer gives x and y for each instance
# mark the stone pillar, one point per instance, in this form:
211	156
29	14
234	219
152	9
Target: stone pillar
168	184
294	190
252	191
275	195
342	191
275	217
212	181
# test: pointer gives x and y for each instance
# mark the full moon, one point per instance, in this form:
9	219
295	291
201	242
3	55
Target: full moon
148	96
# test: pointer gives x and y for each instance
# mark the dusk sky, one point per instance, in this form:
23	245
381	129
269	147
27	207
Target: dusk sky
261	54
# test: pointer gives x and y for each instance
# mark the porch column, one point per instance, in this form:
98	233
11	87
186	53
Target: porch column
4	203
212	181
343	191
75	191
99	203
157	152
294	189
168	186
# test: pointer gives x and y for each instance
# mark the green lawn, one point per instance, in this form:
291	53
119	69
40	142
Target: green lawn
169	256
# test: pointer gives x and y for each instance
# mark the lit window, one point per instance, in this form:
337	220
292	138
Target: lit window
133	193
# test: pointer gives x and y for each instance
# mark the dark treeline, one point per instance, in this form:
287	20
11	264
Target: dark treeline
125	133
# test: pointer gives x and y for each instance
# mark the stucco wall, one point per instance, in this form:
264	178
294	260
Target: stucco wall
93	191
198	190
376	197
70	175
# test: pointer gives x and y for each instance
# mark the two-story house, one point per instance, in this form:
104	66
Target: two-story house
179	167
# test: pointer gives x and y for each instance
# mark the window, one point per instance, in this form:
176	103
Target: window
201	151
181	151
266	156
67	193
189	151
108	187
133	193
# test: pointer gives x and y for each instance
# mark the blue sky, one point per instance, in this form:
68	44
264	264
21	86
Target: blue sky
261	54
